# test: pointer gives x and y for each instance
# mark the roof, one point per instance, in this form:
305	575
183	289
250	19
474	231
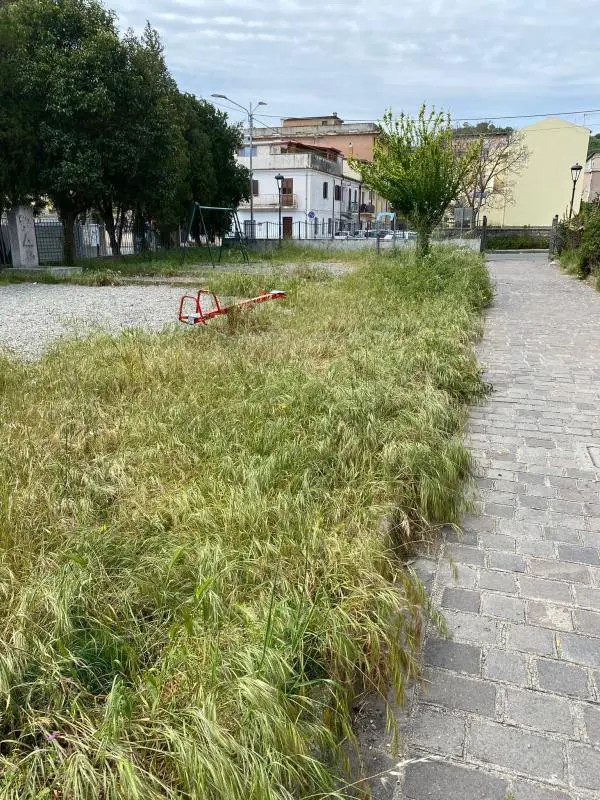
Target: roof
316	147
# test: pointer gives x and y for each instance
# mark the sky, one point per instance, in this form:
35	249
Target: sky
481	59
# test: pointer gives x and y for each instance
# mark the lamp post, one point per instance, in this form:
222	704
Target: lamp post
575	172
279	178
250	112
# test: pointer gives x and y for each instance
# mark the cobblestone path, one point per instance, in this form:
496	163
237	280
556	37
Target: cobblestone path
511	707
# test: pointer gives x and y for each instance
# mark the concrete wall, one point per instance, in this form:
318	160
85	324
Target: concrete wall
591	178
544	187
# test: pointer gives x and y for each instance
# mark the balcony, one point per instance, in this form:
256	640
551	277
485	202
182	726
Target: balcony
288	161
367	208
270	202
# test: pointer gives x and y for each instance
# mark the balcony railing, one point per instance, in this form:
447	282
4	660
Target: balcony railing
367	208
271	201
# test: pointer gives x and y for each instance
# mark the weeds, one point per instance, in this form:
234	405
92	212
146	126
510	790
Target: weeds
194	579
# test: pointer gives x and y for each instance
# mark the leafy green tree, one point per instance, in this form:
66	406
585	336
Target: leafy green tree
417	169
593	144
141	141
64	51
212	175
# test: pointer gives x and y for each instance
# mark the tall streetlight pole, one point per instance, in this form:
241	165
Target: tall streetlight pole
250	112
279	178
575	171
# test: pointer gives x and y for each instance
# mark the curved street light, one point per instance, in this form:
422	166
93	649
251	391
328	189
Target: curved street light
575	172
250	112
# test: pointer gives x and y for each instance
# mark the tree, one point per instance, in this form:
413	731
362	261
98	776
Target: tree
141	142
481	128
64	53
417	169
593	144
500	157
212	175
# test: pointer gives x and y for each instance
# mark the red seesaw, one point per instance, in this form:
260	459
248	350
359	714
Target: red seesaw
205	305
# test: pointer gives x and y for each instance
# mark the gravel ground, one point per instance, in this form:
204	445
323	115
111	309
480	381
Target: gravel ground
35	315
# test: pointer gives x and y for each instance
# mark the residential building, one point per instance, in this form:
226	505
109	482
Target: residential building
352	140
591	178
319	195
543	188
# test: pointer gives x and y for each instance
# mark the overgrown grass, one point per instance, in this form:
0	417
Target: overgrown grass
194	577
571	263
523	241
168	264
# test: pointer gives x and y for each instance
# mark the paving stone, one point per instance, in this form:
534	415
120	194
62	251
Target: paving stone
453	655
588	598
503	607
562	678
497	541
507	561
461	599
549	616
559	570
563	535
501	665
436	780
462	537
580	649
531	640
457	692
497	581
584	766
582	555
472	628
457	575
462	554
587	622
499	511
438	730
524	790
522	751
535	547
540	589
538	710
591	716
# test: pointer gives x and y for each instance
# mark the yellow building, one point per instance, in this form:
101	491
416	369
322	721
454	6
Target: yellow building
544	187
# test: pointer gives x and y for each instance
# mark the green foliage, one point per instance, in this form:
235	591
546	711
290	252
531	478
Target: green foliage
522	241
194	576
481	129
212	176
593	144
580	255
91	121
417	169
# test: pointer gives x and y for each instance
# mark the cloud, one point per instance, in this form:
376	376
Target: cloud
316	56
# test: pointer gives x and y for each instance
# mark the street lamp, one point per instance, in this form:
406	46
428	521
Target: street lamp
279	178
575	172
250	112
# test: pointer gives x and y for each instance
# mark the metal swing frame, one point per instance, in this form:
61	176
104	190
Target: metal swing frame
240	238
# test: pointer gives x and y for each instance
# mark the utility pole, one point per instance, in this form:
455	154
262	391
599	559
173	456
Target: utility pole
250	112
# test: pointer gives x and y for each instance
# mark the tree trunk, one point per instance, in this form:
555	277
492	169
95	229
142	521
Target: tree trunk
68	222
423	237
109	222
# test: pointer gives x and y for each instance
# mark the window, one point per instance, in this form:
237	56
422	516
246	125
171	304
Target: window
329	226
325	190
316	226
337	192
254	188
244	152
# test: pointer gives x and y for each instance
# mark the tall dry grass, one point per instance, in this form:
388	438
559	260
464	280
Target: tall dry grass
194	575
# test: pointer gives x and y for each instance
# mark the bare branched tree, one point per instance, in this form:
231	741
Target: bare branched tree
500	158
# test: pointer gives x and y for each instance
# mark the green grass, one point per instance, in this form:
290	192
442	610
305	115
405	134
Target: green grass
517	242
196	577
167	264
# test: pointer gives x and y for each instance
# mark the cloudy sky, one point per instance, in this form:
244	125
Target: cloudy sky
475	58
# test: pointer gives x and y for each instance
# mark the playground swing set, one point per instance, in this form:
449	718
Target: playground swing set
205	305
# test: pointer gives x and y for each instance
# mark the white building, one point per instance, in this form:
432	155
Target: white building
319	194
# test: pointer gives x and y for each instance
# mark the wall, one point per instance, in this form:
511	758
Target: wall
591	179
544	187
